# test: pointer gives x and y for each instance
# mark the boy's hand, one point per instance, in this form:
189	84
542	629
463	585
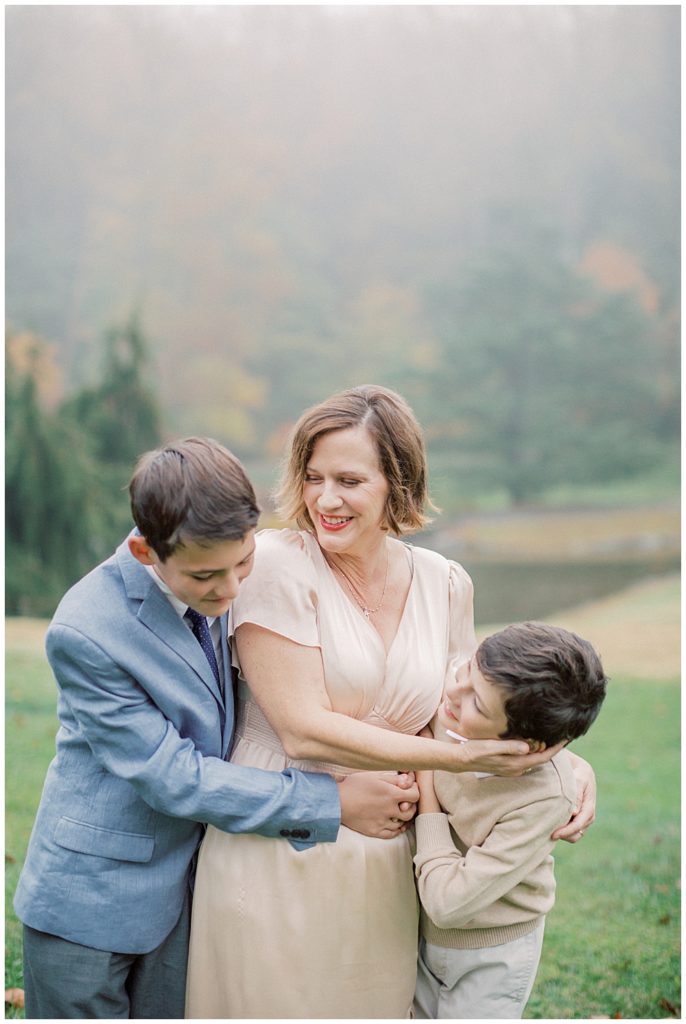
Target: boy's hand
428	801
378	804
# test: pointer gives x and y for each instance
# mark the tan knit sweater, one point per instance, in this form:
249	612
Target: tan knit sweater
484	870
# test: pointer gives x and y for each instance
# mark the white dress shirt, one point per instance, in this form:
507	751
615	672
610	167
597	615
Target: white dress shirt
180	607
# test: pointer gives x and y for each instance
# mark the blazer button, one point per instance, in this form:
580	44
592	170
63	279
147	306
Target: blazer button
285	832
305	833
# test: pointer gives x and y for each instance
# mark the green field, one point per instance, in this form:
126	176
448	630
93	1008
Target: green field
612	941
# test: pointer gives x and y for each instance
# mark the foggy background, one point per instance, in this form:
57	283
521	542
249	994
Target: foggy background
216	216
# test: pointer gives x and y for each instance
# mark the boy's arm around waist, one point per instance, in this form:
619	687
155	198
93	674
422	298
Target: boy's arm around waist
130	736
453	887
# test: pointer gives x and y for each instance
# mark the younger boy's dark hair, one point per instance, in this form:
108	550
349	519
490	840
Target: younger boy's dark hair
193	489
554	680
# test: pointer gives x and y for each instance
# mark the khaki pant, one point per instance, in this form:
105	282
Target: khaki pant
493	982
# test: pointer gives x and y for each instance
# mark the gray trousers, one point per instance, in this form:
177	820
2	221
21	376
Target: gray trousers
491	983
63	980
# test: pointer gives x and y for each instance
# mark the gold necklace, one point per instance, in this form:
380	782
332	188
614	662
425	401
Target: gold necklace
357	594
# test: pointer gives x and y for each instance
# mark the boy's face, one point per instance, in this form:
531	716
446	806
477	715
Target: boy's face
472	705
206	577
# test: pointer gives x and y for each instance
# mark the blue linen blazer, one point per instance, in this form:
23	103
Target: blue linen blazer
139	769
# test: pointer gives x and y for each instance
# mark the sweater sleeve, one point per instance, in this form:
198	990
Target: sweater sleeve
454	888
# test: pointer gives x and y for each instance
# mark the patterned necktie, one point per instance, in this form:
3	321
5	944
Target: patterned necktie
202	634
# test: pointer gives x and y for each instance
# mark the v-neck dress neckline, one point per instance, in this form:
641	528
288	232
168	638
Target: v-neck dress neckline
344	596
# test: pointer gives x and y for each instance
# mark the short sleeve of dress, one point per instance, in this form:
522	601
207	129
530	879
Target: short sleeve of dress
462	638
280	593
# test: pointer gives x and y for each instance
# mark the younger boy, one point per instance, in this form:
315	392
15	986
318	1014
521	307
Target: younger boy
483	865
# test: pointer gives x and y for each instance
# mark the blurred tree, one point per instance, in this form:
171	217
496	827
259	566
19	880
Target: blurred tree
67	467
549	380
118	419
53	497
119	414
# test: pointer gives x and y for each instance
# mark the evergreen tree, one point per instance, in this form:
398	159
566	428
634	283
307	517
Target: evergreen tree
120	414
120	419
53	501
550	382
67	470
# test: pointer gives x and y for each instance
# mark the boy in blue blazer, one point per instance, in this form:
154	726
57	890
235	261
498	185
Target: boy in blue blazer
146	719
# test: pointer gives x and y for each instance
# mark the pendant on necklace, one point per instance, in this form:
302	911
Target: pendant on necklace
366	612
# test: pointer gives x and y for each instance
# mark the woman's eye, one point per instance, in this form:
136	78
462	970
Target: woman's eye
350	483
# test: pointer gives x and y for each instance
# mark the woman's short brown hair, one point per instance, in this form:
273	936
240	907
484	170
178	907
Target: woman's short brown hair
399	442
194	489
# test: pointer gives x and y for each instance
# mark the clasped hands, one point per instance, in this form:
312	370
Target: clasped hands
378	804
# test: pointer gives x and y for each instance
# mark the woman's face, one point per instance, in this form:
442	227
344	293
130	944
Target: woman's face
345	491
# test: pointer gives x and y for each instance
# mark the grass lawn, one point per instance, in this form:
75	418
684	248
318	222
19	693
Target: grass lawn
612	941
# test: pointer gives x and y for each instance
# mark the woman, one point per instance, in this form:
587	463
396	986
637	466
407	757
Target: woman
343	634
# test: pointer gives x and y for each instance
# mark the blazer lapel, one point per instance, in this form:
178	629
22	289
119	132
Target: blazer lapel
157	613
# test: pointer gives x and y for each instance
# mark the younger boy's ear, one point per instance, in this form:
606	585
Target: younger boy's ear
141	550
535	746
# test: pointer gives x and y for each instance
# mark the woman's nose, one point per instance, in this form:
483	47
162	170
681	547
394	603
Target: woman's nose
329	497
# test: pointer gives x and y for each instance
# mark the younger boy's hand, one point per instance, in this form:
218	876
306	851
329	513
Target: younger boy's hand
428	801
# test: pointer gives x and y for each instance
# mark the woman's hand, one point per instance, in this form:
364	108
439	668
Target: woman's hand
584	812
378	804
502	757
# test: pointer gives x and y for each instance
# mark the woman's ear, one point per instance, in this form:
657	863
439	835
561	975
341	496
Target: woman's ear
141	550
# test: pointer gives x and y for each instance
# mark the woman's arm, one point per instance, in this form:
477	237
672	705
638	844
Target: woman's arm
287	681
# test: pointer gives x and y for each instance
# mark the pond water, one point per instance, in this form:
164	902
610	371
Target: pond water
512	592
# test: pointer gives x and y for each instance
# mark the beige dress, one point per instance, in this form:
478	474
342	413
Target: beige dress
330	931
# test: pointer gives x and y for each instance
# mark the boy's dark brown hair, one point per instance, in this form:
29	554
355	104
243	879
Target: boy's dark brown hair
193	489
554	680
